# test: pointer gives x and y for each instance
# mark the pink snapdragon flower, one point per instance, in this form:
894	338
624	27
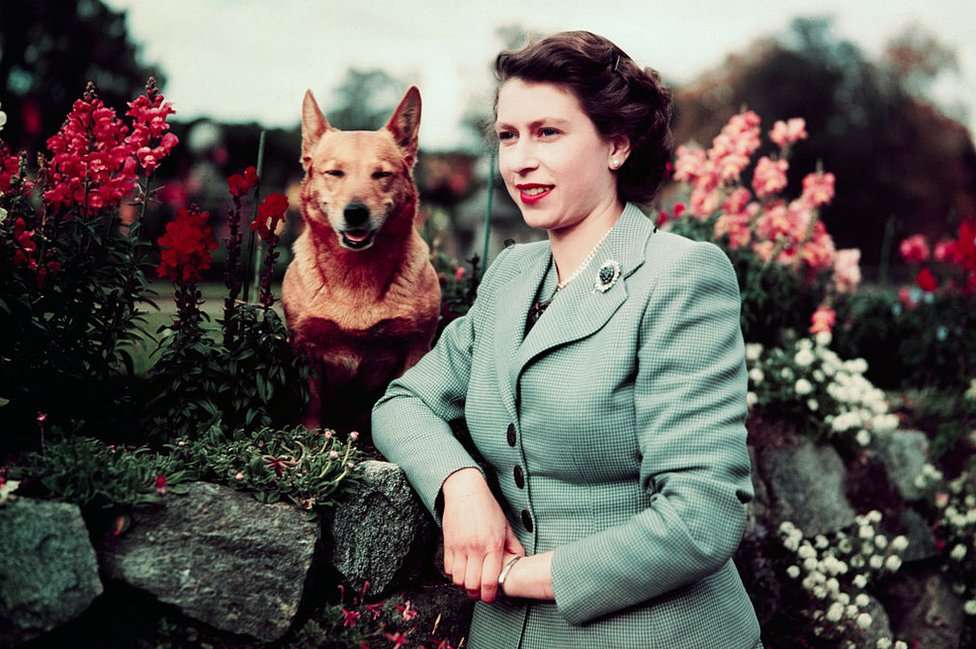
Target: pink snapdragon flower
914	249
769	176
788	132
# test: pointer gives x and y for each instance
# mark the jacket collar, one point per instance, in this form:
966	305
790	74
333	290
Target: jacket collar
577	311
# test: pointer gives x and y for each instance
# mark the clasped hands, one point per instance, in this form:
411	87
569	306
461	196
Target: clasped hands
479	541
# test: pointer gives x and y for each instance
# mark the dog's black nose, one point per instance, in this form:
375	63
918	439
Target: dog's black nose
356	215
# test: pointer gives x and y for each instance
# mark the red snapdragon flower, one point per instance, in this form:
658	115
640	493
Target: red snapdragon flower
915	249
186	246
24	245
398	639
926	280
149	139
964	250
95	158
161	484
90	149
270	213
9	167
240	184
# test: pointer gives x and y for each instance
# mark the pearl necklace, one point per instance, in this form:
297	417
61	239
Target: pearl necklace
536	311
586	262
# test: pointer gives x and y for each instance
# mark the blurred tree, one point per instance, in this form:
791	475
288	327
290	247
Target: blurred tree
49	49
364	100
894	153
917	58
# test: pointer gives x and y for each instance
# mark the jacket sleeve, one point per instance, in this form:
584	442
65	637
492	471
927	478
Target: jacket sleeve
410	421
690	405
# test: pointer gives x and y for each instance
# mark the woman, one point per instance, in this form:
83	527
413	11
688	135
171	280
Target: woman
602	378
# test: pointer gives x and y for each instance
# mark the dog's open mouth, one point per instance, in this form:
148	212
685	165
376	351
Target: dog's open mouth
357	239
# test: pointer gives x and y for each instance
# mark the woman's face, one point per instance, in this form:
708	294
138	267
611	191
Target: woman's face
546	140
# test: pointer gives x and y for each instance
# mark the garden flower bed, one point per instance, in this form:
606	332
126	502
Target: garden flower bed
182	507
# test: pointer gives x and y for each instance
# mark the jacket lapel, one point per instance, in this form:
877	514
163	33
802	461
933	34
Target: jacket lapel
576	312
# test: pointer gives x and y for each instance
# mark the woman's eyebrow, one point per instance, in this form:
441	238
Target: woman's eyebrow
555	120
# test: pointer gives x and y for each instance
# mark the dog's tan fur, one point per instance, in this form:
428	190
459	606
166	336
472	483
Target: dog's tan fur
367	315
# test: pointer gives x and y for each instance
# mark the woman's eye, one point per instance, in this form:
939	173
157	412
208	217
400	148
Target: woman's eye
504	135
338	173
548	128
382	174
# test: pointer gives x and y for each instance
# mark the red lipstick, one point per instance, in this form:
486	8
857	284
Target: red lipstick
530	199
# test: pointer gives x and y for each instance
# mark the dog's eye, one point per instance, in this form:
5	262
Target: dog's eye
338	173
382	174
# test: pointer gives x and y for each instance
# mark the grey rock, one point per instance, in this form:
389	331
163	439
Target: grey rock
384	534
921	543
220	556
757	510
806	486
880	626
48	570
904	453
925	610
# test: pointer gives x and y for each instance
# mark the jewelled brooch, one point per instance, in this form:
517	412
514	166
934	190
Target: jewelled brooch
607	276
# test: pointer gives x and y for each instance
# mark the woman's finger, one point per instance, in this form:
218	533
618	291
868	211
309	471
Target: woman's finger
491	568
472	577
458	568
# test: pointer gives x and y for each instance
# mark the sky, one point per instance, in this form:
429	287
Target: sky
252	60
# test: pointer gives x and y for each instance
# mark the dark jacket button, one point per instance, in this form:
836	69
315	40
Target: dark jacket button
519	478
527	519
511	434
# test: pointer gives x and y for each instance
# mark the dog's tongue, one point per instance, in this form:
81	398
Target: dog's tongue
352	236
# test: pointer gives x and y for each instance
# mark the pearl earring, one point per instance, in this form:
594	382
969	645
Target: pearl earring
614	163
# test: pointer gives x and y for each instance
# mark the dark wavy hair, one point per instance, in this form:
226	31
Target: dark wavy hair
618	96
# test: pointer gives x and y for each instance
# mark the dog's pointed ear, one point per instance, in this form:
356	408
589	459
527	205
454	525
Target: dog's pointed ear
404	124
314	125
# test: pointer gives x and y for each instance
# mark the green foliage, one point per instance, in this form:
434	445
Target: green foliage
184	384
92	474
930	344
459	285
309	468
945	414
261	378
66	333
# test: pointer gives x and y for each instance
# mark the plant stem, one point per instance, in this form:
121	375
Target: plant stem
252	258
487	228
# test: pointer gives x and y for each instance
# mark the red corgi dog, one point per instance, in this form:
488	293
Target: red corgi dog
360	295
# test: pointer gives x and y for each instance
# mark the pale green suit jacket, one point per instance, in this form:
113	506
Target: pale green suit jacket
623	413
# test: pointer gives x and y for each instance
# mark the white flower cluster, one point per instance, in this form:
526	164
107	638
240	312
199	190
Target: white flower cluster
971	391
811	371
957	525
823	566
